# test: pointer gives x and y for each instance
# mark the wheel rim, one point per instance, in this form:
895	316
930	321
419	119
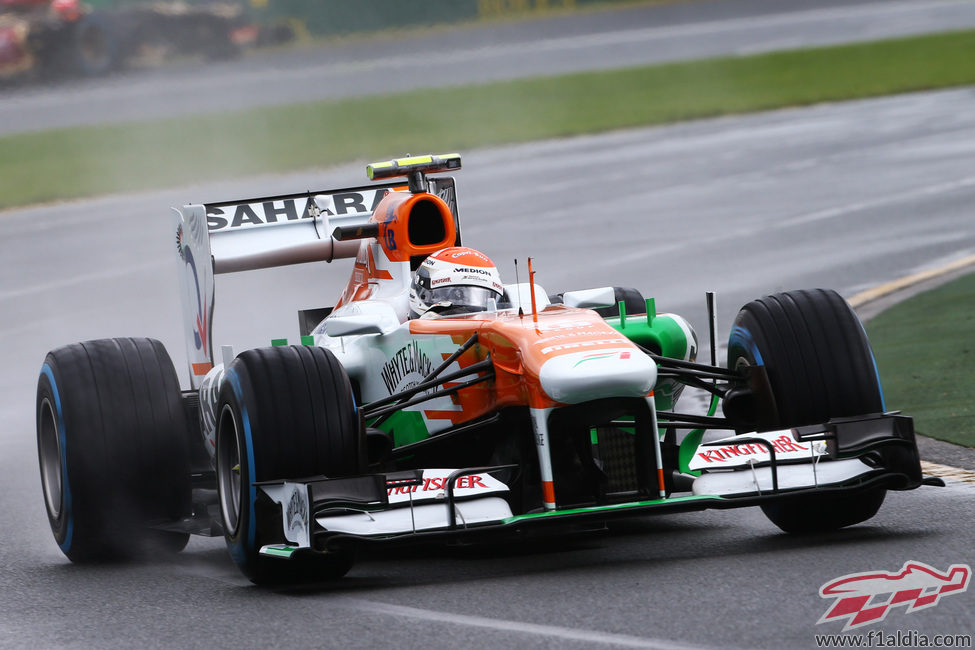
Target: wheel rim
50	454
228	469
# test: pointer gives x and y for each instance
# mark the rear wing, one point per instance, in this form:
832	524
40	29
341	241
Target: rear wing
264	232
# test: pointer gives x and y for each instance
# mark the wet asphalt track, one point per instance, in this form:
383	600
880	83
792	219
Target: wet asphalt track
596	41
846	195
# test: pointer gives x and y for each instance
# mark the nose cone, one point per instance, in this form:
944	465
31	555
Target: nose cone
583	376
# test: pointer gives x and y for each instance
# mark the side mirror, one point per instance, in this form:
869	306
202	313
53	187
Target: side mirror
590	298
519	295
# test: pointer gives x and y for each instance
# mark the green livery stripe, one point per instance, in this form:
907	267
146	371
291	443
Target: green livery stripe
654	332
692	441
279	551
688	447
659	333
406	427
610	508
601	356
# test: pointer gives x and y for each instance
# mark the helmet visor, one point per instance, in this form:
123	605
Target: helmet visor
459	299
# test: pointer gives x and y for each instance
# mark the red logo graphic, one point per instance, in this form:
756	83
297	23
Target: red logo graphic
865	598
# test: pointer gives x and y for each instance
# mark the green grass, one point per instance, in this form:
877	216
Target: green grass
925	349
78	162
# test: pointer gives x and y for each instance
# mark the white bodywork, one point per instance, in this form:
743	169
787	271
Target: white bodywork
590	298
411	508
253	236
363	317
738	465
759	480
383	364
583	376
740	451
417	518
229	237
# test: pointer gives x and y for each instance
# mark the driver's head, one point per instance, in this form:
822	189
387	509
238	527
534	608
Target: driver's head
454	280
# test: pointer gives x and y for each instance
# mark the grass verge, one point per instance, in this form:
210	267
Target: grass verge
926	354
76	162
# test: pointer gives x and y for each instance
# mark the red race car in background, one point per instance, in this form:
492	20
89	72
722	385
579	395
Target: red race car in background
58	38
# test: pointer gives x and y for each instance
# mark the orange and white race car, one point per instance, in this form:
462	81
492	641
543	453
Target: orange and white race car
436	402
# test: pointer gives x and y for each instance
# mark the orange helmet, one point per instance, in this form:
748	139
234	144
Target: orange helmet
454	280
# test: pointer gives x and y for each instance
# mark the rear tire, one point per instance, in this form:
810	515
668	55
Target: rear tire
819	366
284	413
111	440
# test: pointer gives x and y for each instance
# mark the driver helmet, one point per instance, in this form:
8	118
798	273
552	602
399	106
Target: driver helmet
455	280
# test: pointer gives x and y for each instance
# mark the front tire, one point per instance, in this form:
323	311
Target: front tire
632	301
111	440
820	366
284	413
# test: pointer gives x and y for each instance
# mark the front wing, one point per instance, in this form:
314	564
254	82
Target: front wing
853	454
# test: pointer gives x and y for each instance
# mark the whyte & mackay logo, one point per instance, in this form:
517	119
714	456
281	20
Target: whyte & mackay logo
866	598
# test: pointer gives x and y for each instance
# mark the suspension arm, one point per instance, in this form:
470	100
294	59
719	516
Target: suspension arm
387	410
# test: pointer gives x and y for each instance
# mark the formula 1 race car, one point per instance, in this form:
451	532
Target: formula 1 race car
473	420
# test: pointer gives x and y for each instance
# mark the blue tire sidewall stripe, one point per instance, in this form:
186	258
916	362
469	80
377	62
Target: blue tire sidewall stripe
65	546
742	337
876	371
239	550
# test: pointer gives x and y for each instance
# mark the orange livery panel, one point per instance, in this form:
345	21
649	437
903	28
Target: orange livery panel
520	347
412	225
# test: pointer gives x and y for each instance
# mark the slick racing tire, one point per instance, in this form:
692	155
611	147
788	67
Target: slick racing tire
92	48
631	298
111	440
819	366
820	513
284	413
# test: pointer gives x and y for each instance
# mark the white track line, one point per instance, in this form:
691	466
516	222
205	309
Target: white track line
517	627
84	278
